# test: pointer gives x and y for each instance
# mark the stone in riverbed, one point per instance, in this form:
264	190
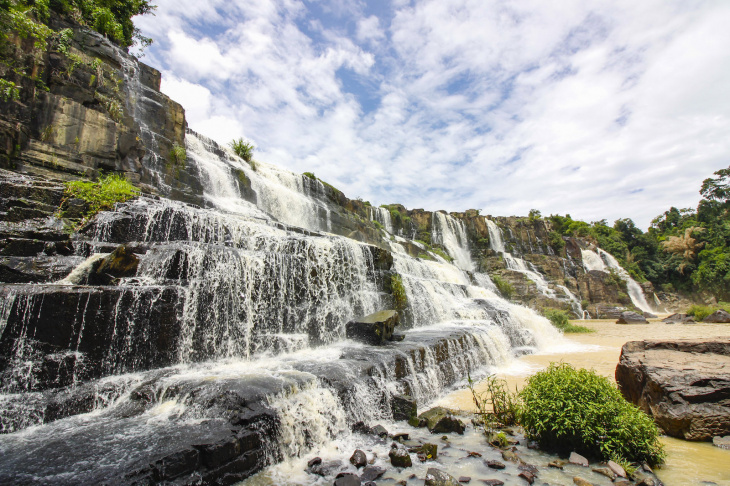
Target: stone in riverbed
605	471
400	457
371	473
495	464
678	319
373	329
577	459
436	477
347	479
359	459
581	482
649	315
118	264
631	318
721	442
380	431
464	479
440	420
617	469
719	316
403	407
527	476
493	482
683	384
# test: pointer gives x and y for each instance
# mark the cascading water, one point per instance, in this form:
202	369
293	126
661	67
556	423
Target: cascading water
382	216
496	243
451	233
231	307
604	262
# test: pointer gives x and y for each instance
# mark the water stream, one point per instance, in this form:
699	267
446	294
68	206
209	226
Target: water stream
605	262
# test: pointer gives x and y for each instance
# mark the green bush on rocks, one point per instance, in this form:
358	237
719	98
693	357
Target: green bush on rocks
566	410
101	195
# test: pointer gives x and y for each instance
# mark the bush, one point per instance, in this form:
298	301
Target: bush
566	410
102	195
700	311
243	149
442	254
561	320
505	288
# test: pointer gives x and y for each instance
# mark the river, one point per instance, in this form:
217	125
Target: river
688	463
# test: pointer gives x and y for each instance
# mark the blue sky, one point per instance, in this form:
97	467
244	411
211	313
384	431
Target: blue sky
600	109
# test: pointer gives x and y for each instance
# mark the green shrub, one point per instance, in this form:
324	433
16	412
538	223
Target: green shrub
565	410
398	291
243	149
700	311
561	320
442	254
101	195
9	90
505	288
496	406
178	156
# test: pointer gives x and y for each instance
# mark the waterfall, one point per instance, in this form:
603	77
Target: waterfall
603	261
451	233
517	264
382	216
236	316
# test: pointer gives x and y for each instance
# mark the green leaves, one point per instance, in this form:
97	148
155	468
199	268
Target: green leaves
565	409
244	149
102	195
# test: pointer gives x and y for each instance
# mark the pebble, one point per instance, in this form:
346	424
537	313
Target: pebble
605	472
527	476
493	482
464	479
577	459
581	482
371	473
510	456
359	459
495	464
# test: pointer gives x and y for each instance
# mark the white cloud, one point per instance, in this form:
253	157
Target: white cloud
600	109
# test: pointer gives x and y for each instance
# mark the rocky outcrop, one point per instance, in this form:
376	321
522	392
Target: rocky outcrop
631	318
684	385
719	316
373	329
679	319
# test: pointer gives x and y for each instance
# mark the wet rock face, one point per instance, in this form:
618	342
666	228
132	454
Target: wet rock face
118	264
684	385
373	329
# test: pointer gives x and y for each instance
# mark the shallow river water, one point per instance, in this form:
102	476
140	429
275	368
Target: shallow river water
688	463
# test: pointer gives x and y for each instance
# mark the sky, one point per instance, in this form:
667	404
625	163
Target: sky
597	109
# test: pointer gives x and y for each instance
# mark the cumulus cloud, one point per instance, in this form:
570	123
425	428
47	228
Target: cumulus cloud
600	109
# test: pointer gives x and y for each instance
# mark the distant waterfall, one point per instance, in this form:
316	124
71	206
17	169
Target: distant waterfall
603	261
451	233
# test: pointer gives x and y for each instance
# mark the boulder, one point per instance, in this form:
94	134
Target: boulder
577	459
629	317
359	459
403	407
347	479
371	473
399	457
719	316
373	329
440	420
436	477
649	315
721	442
678	319
684	384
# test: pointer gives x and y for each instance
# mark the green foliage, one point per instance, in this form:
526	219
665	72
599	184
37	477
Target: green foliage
244	149
556	241
534	215
8	90
101	195
398	291
700	311
496	406
442	254
561	320
505	288
426	256
565	409
177	158
310	175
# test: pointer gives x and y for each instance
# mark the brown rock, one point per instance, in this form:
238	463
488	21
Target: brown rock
577	459
719	316
683	384
581	482
631	318
617	469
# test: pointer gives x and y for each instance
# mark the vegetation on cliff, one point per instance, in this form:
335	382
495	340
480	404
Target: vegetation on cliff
684	249
111	18
101	195
561	320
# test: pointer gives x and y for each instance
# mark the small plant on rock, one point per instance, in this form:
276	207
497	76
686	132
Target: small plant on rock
561	320
101	195
243	149
505	288
398	291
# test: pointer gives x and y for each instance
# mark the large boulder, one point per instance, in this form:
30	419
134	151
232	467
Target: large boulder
441	420
631	318
683	384
719	316
679	319
373	329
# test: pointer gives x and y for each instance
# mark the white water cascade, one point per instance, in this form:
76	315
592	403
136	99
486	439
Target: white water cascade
603	261
229	307
451	233
382	216
496	243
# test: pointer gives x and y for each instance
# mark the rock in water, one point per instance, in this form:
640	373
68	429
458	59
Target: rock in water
683	384
403	407
400	457
373	329
631	318
719	316
436	477
371	473
722	442
649	315
576	458
118	264
678	318
617	469
348	479
359	459
440	420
